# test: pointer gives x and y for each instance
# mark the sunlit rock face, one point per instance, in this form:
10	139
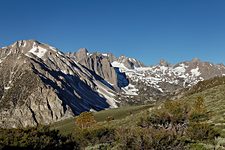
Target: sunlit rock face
40	85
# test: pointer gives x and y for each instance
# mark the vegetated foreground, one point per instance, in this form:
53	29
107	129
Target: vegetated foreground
117	114
195	121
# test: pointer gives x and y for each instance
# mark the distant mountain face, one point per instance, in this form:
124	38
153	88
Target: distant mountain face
150	83
102	64
39	84
183	74
164	80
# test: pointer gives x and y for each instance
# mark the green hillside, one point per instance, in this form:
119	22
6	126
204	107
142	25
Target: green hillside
213	92
118	114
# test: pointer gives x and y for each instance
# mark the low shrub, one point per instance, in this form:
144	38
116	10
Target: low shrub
35	138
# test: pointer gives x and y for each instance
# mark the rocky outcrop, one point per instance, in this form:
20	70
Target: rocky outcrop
98	63
164	63
207	70
129	63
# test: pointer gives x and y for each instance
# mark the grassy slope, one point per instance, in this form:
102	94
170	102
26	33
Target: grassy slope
213	92
215	102
119	115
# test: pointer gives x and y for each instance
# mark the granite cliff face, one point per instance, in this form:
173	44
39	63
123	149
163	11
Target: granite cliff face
129	63
40	85
99	64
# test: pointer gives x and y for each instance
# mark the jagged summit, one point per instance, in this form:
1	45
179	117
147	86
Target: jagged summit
82	50
32	48
196	60
130	63
163	62
23	43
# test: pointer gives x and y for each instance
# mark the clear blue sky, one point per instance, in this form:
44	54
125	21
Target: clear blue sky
149	30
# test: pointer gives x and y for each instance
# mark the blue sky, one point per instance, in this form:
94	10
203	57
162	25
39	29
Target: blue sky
149	30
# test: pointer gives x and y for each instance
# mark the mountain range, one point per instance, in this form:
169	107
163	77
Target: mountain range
39	84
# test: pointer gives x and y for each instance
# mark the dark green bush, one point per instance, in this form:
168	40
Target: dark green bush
35	138
146	138
201	132
95	135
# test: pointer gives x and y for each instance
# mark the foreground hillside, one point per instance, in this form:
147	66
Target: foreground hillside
210	92
213	92
67	126
173	125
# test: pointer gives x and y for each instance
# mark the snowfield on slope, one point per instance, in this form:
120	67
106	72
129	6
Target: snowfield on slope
153	76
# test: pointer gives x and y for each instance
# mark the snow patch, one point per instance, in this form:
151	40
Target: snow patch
56	50
121	66
7	87
180	69
53	48
19	43
163	69
140	69
155	75
109	98
89	54
106	55
25	44
195	72
134	60
38	51
92	110
130	90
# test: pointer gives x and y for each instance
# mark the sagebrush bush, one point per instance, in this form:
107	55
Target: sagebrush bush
95	135
35	138
201	132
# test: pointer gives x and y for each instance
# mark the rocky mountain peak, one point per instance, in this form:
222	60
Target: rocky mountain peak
24	43
30	48
111	57
82	51
129	63
195	60
80	55
164	63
